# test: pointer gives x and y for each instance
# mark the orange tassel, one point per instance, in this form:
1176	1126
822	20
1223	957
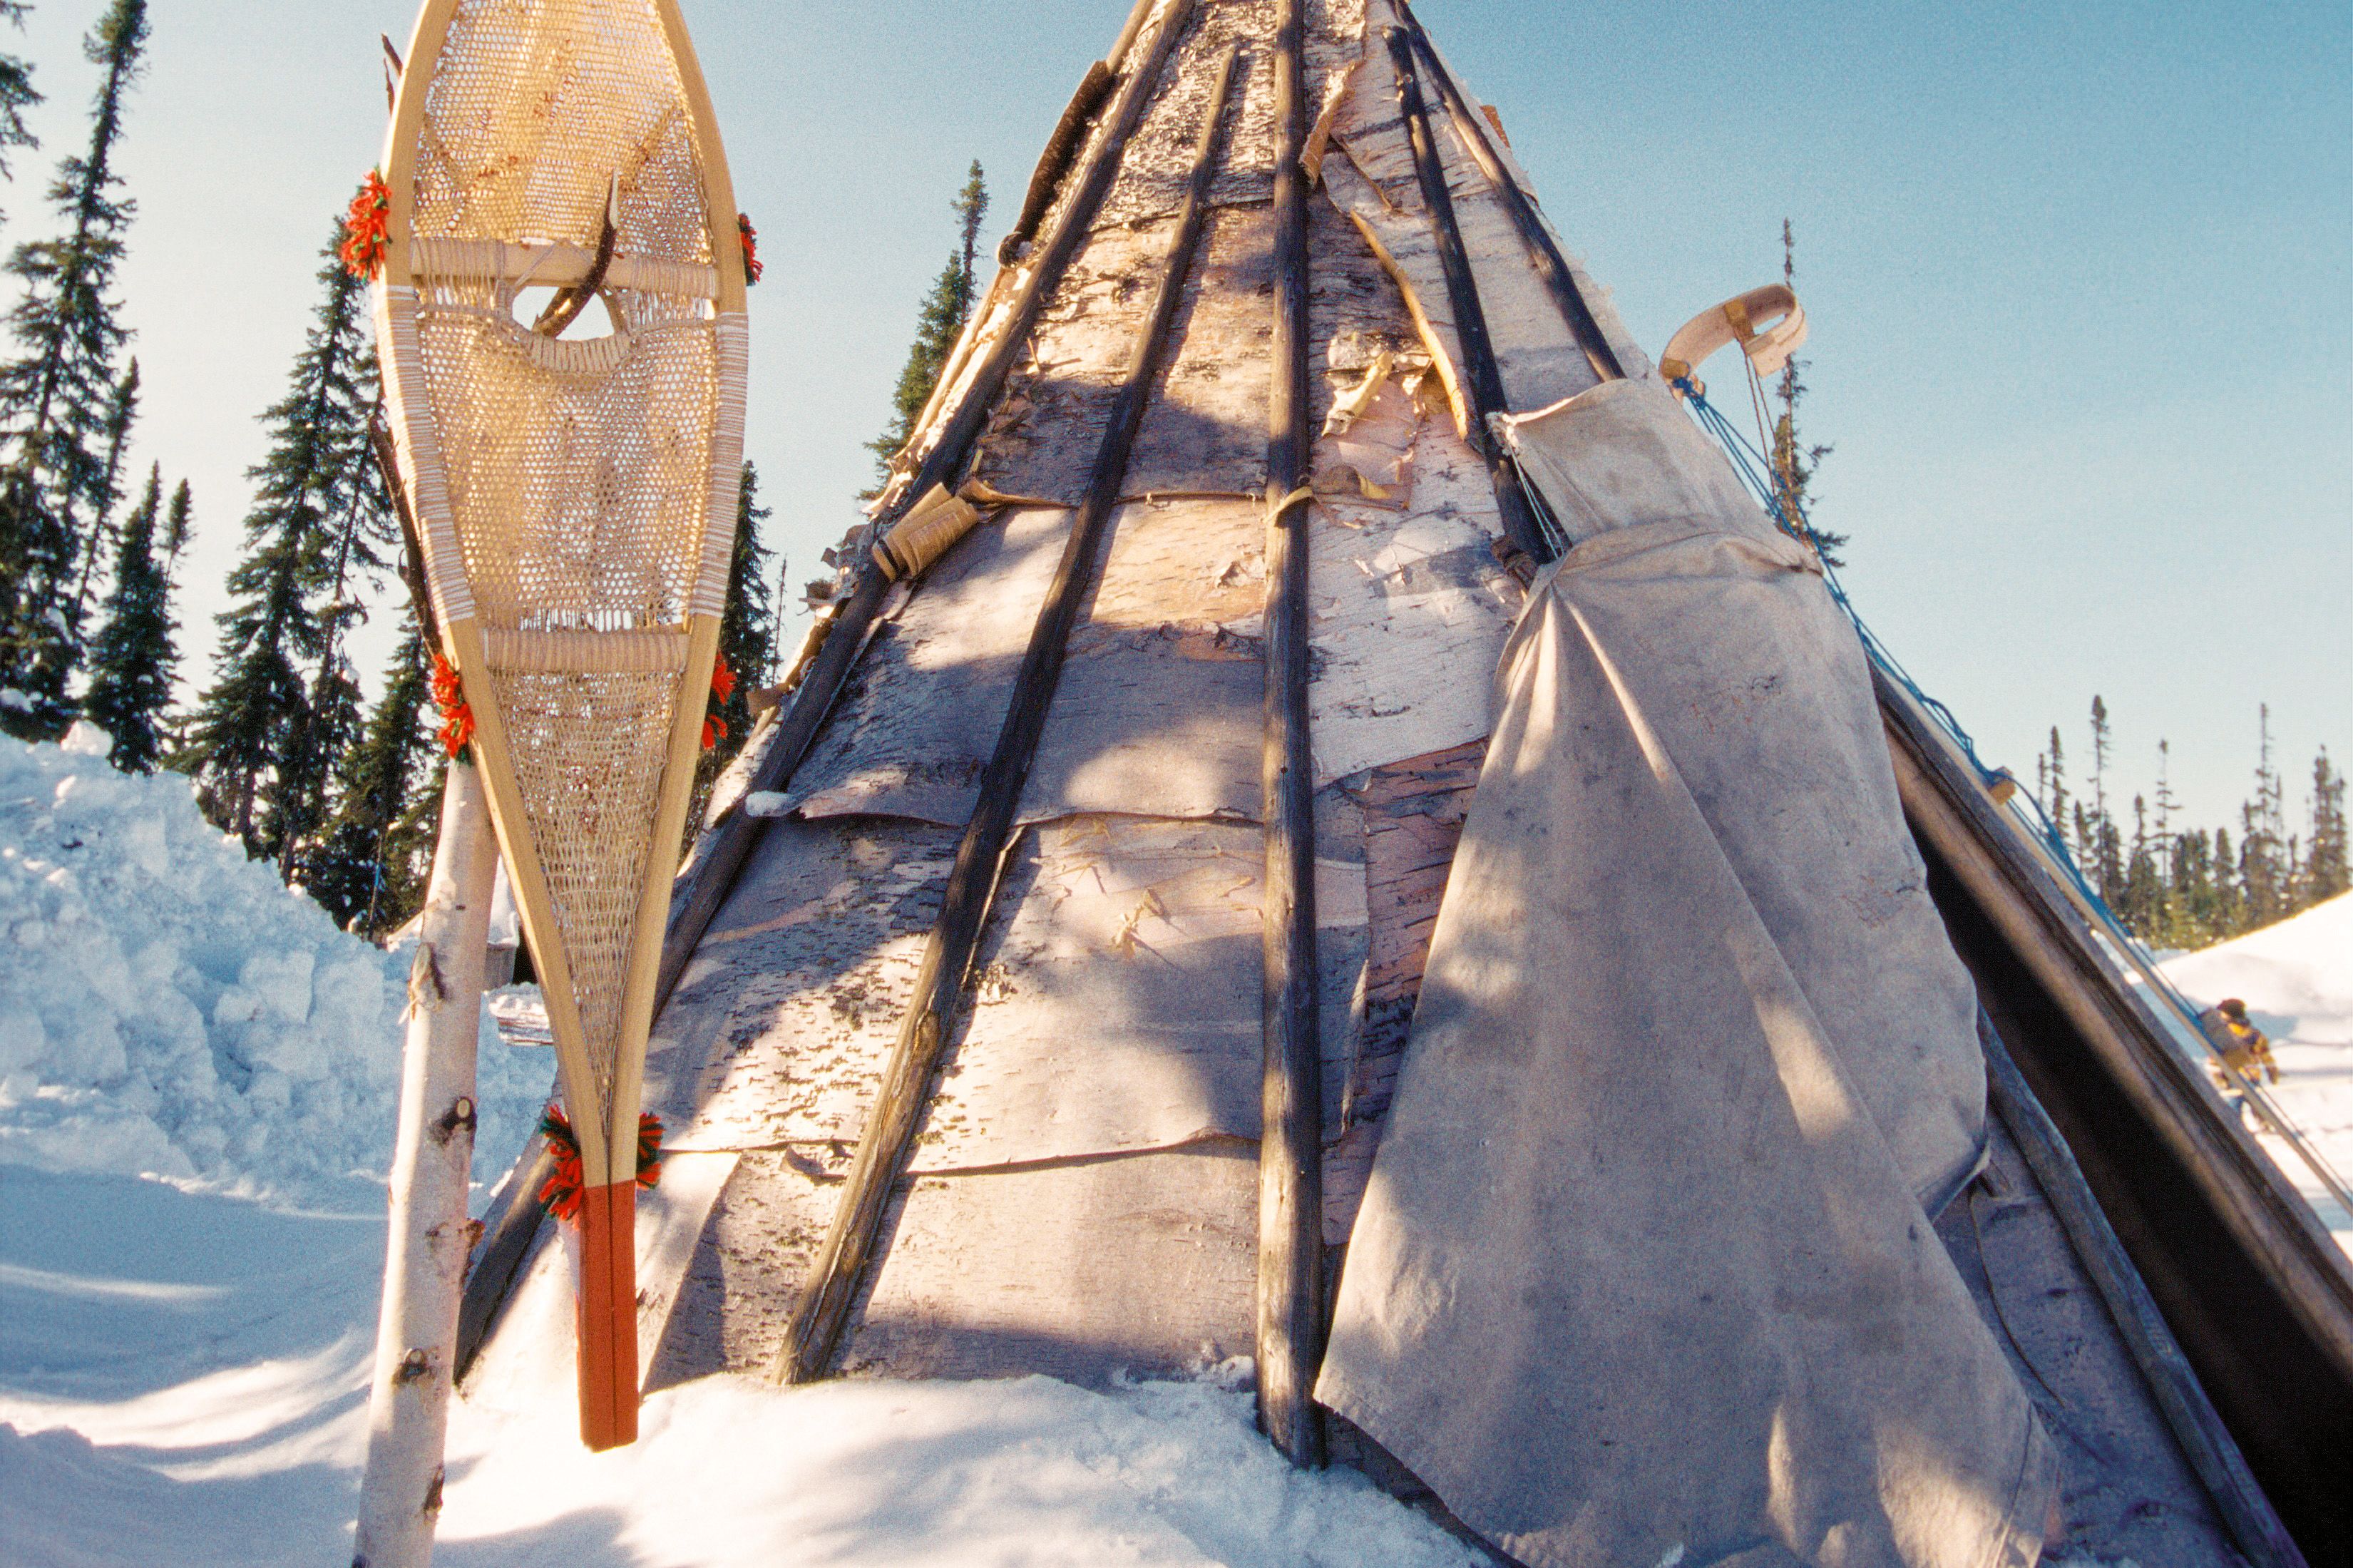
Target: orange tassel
560	1195
751	238
457	731
366	229
722	687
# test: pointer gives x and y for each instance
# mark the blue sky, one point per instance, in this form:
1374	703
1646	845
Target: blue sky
2081	279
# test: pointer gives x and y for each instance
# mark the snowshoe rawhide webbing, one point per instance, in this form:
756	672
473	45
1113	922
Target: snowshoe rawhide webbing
576	497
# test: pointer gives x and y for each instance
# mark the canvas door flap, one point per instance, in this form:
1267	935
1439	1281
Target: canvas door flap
1755	685
1623	454
1637	1279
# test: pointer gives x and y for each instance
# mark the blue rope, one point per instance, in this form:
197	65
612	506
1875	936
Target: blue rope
1757	473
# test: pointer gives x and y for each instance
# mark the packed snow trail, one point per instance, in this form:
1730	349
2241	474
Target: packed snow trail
2296	979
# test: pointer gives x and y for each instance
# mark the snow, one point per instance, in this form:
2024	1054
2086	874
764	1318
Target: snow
184	1375
2296	979
168	1007
197	1099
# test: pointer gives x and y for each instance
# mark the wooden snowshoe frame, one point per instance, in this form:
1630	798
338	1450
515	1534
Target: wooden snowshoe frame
576	497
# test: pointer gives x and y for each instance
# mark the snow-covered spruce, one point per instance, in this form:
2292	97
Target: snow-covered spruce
168	1008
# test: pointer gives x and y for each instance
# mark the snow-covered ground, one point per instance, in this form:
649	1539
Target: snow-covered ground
2296	979
196	1096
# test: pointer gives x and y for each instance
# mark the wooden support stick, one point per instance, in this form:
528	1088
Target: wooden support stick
1290	1315
2205	1442
705	885
1543	255
433	1152
1484	379
820	1315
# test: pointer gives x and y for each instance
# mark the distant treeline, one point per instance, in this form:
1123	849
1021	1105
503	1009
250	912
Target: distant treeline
2177	886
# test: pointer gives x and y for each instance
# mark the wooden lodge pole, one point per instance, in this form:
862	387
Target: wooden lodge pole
1544	254
1484	379
433	1152
820	1315
1291	1306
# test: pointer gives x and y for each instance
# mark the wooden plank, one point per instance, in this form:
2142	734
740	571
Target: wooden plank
748	1263
914	727
1141	1265
1292	1310
818	1319
1204	432
1157	711
1409	616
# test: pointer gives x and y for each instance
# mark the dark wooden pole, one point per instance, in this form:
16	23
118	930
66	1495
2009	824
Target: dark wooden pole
1543	255
695	901
1484	379
1291	1322
823	1310
2206	1443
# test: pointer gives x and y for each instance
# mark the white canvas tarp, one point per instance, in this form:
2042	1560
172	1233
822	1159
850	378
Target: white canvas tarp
1643	1274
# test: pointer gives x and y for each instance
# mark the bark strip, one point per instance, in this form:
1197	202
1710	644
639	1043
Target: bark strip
822	1311
1291	1306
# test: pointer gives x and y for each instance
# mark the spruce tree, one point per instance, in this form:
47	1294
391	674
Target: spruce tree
971	206
16	95
2104	844
134	656
937	325
2141	904
2051	772
2263	871
121	409
363	870
258	732
747	637
2325	871
1794	462
2230	898
351	549
55	398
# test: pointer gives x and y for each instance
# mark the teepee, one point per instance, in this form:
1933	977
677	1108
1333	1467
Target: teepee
1323	825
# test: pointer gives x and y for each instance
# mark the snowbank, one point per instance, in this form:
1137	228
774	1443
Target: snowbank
168	1008
2296	979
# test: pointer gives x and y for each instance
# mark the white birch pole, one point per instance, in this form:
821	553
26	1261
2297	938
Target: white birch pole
424	1257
